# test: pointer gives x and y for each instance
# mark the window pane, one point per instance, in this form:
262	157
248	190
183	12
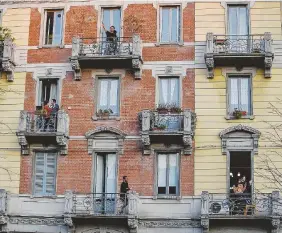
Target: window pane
49	27
39	174
232	20
162	173
175	24
50	173
114	96
172	170
245	95
174	91
111	173
103	99
106	21
165	37
233	94
163	91
58	18
116	20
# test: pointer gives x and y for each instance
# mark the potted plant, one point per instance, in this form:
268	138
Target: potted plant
238	113
162	109
160	127
175	109
104	114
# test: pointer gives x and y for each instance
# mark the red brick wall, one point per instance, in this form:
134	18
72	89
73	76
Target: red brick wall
78	98
34	27
80	21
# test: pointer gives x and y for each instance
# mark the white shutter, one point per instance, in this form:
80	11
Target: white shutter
50	174
111	174
39	174
99	174
53	92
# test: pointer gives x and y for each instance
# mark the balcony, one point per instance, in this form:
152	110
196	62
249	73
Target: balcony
7	62
34	128
167	128
99	53
239	51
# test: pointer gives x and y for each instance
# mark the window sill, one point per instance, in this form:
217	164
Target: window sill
51	46
251	117
169	43
95	118
167	197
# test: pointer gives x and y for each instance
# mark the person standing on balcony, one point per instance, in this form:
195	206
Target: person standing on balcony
124	188
111	42
46	114
54	111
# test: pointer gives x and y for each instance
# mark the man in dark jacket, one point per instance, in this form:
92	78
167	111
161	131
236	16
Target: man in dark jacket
123	190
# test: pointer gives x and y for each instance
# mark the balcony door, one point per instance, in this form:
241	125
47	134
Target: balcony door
105	186
111	17
238	28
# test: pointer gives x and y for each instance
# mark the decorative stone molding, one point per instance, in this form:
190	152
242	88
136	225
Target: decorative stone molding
3	201
205	203
7	61
275	222
68	221
132	225
68	202
103	136
224	3
4	219
169	223
276	203
232	70
239	137
37	221
205	222
133	199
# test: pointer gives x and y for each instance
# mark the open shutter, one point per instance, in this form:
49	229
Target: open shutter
39	93
39	174
50	169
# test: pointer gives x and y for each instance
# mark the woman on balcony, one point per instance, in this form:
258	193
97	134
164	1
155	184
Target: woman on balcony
46	114
111	42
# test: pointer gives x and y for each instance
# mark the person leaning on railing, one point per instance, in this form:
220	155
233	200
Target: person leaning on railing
111	43
46	114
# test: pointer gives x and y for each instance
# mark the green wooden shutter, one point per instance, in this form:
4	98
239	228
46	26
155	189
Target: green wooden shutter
39	174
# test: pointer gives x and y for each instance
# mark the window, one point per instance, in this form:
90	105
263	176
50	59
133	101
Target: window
168	175
170	24
48	90
53	27
169	91
45	173
111	17
108	95
240	94
238	22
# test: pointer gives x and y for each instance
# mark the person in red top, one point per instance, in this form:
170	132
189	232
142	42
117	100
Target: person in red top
46	114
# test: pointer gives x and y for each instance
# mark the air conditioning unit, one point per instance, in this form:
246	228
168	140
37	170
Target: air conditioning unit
219	207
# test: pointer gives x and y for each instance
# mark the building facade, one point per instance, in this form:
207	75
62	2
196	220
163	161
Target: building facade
177	102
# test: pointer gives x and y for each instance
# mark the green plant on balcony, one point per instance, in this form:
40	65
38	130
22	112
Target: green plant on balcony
104	114
238	113
175	109
160	127
6	33
162	108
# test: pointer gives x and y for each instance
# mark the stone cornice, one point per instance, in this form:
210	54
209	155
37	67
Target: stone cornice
170	223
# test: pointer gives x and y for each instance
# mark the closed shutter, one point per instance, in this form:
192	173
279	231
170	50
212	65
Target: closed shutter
45	174
39	174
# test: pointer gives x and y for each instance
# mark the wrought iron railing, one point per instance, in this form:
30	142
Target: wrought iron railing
238	44
38	122
92	47
240	204
100	204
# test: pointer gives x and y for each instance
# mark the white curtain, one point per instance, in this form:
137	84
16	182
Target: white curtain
162	166
234	94
169	91
39	94
245	94
113	104
111	174
53	92
103	94
173	170
99	173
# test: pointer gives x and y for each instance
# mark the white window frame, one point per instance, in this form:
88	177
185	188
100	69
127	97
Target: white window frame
181	7
157	98
178	187
43	26
34	172
250	114
100	17
39	89
98	91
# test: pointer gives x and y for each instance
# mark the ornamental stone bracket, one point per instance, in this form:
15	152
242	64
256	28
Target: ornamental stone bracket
239	137
132	225
76	68
8	63
275	223
137	67
105	139
3	207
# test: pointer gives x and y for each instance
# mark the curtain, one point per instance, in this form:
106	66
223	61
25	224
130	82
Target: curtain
165	13
99	174
233	94
39	96
111	174
173	170
103	100
163	91
53	92
245	94
169	91
162	170
175	24
113	100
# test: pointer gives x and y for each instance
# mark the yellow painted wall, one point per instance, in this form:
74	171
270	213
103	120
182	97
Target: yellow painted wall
18	21
11	102
210	164
210	17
